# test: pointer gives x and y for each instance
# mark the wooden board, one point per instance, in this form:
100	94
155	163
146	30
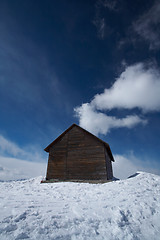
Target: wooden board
77	155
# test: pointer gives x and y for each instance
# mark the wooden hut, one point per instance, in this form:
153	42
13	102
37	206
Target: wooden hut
79	155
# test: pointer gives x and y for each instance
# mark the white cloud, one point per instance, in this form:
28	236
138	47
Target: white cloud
15	169
148	26
125	166
137	87
97	122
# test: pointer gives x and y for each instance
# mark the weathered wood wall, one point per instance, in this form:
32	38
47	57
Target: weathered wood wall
57	160
77	155
108	166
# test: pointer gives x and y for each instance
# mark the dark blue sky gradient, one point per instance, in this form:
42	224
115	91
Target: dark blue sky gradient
52	59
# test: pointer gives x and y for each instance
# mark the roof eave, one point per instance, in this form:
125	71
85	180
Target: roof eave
52	143
106	144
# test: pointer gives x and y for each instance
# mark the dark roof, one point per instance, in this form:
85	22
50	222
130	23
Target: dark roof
68	129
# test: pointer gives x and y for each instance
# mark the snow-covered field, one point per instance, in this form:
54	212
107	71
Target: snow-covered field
125	209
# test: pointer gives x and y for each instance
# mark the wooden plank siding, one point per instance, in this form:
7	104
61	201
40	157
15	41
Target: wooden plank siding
57	160
77	155
108	166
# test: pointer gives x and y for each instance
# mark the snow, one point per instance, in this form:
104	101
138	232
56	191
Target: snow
126	209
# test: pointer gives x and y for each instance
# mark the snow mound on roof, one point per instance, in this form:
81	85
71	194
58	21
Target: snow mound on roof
125	209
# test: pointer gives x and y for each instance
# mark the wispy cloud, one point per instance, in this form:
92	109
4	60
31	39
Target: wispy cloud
100	25
99	19
15	169
26	74
137	87
20	163
7	146
29	153
110	4
147	26
132	165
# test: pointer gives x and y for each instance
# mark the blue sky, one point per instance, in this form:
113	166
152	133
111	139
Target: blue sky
94	63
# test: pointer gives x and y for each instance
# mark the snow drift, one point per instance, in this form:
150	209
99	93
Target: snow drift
125	209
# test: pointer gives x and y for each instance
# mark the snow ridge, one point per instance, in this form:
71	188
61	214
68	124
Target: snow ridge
126	209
